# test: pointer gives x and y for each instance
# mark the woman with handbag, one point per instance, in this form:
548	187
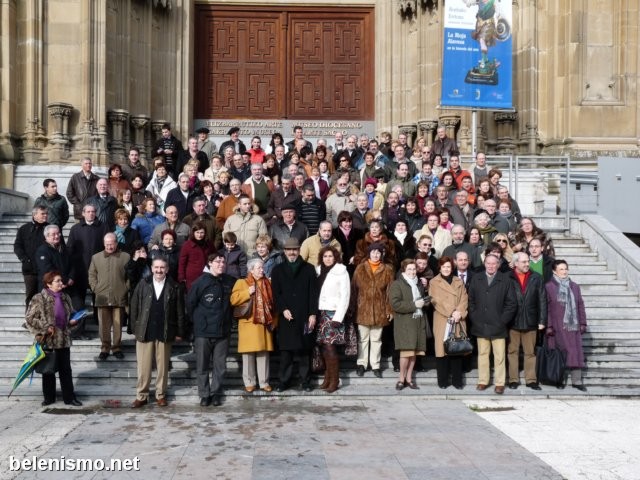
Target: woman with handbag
450	301
406	296
566	320
48	319
333	303
254	307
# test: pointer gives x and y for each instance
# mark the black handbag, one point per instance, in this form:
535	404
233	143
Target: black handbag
317	360
48	364
457	343
550	365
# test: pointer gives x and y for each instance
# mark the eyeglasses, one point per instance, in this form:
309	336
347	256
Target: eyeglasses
501	241
342	184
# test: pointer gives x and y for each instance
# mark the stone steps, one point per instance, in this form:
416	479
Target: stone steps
611	345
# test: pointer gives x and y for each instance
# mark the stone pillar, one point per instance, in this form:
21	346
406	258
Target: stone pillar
118	118
410	130
506	142
140	123
428	129
450	122
59	141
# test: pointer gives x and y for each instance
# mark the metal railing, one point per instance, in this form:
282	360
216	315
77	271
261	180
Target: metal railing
535	181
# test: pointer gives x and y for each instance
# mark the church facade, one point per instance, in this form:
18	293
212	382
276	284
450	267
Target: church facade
93	78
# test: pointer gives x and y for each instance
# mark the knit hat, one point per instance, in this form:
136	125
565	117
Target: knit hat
371	181
376	246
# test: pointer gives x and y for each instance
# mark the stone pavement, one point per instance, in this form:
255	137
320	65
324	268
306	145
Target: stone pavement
324	438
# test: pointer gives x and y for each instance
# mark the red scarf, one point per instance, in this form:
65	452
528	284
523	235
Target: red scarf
263	305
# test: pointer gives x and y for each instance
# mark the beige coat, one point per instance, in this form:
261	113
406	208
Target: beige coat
252	337
107	279
311	247
445	299
247	228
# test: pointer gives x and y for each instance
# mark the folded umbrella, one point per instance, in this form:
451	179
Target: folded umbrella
34	355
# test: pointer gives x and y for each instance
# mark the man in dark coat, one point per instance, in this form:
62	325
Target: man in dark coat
209	308
234	141
311	210
538	262
29	238
531	296
53	255
85	240
492	306
56	205
168	147
133	167
296	295
105	204
82	185
286	195
181	197
287	227
157	320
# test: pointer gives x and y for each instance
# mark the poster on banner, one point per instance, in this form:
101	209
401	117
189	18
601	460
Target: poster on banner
477	60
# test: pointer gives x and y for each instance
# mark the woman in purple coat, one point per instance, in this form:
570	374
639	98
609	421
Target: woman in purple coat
567	321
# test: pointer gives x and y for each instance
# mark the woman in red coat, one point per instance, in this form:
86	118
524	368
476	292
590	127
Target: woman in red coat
193	255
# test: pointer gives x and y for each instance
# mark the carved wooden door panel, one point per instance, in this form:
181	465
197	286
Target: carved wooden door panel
330	63
267	63
242	66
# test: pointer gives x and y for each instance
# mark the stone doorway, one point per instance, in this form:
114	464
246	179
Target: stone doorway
285	62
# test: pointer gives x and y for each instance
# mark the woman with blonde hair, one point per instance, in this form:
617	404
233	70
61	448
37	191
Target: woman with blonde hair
503	240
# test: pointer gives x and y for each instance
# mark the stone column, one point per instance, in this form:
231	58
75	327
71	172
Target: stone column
428	129
118	118
450	122
410	130
506	142
59	140
140	123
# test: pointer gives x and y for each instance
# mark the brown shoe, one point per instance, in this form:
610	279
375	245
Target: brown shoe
250	388
162	402
267	388
481	386
499	389
138	403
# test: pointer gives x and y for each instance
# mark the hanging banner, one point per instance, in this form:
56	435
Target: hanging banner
476	65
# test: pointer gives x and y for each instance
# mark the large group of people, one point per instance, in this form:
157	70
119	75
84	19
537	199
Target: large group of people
365	247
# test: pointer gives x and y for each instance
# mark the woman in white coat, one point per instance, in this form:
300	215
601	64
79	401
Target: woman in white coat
160	185
335	290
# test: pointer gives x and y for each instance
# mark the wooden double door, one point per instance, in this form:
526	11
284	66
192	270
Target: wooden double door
300	63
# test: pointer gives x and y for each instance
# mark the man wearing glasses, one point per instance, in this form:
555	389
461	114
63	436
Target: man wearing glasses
209	308
497	221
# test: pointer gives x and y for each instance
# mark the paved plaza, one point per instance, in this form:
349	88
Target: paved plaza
332	438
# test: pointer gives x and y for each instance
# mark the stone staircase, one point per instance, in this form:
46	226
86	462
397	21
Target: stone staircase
612	344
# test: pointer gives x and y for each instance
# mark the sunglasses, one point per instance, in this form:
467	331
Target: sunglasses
501	241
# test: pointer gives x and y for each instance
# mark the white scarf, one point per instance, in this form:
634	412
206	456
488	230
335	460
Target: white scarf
413	283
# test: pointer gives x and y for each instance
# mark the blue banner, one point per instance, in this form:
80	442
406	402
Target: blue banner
476	64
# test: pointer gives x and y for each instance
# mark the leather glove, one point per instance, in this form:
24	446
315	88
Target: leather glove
550	332
583	329
419	303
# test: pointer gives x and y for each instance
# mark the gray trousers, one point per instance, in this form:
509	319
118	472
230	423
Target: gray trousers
208	350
